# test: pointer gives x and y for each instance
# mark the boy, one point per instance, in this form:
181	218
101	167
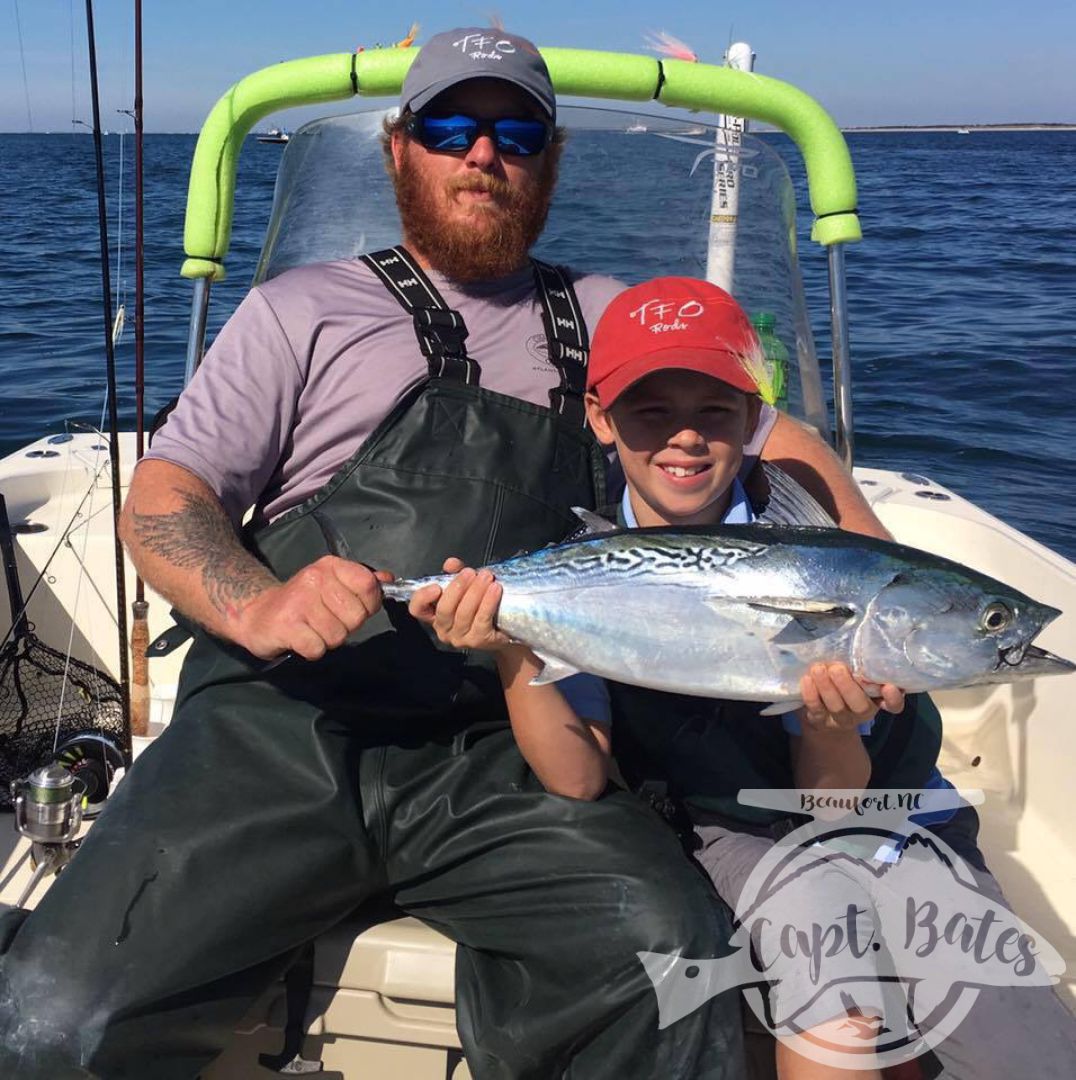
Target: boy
674	385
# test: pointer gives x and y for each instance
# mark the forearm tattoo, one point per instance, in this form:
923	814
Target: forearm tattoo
199	536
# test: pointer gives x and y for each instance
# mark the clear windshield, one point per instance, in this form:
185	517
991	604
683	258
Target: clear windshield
639	196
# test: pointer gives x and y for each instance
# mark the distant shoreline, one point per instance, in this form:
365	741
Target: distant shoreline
969	128
851	130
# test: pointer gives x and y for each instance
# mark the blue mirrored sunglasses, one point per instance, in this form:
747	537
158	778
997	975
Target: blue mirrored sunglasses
458	133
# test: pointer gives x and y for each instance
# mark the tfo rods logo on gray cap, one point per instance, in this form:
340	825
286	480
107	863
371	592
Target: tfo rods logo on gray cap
474	53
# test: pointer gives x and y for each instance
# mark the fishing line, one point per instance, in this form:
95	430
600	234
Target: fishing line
48	562
71	36
66	531
121	287
71	636
22	58
80	559
81	576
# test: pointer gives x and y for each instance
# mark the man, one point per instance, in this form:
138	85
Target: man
378	413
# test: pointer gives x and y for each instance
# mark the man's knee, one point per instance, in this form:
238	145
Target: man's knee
40	1034
675	909
663	901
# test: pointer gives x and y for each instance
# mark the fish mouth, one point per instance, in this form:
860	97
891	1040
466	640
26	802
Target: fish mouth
1030	660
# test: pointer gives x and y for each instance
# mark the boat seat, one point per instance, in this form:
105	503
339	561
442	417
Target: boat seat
382	1004
400	957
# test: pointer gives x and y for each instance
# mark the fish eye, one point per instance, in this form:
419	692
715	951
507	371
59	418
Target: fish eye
995	617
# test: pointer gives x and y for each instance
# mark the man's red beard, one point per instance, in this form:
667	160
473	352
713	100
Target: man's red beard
500	233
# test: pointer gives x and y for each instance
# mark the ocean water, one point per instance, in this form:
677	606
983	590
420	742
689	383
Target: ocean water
962	297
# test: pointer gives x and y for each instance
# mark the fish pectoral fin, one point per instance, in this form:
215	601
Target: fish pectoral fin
779	708
809	619
791	606
553	670
796	605
785	620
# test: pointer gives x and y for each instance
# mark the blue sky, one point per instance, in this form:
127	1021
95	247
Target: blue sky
946	61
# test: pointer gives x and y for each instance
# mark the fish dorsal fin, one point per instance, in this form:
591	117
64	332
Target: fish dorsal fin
593	524
553	670
788	502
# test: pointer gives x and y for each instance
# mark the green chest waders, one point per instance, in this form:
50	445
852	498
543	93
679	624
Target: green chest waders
279	799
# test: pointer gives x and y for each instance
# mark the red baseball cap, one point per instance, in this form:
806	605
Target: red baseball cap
670	322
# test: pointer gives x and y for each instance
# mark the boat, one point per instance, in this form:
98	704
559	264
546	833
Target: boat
382	996
963	131
636	128
274	135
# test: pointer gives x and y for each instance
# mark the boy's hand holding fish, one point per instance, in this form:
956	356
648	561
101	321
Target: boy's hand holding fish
463	613
835	701
828	751
569	753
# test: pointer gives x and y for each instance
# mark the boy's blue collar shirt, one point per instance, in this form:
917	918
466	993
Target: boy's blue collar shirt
738	513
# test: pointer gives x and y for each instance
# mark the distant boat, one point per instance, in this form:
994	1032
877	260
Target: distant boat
274	135
635	129
963	131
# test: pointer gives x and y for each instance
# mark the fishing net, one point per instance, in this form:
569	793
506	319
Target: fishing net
47	701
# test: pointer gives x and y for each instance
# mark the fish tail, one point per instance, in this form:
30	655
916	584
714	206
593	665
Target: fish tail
405	588
401	590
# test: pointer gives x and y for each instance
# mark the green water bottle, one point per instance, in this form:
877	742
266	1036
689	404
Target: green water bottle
765	324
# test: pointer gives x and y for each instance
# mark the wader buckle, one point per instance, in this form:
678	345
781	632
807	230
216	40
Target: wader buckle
571	362
440	333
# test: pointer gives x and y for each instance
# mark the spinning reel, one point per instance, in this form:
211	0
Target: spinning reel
51	803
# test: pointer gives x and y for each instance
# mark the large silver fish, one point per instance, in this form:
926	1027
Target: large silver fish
743	611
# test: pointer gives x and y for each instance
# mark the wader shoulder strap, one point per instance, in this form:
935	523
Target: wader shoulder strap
440	330
566	334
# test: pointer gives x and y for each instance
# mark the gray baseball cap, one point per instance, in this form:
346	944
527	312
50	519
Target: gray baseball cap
477	53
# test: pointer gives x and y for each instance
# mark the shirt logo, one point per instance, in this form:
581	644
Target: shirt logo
538	348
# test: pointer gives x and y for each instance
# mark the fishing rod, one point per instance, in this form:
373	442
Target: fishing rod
140	607
110	368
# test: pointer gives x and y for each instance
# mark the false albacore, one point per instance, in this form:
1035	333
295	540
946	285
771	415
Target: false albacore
743	611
